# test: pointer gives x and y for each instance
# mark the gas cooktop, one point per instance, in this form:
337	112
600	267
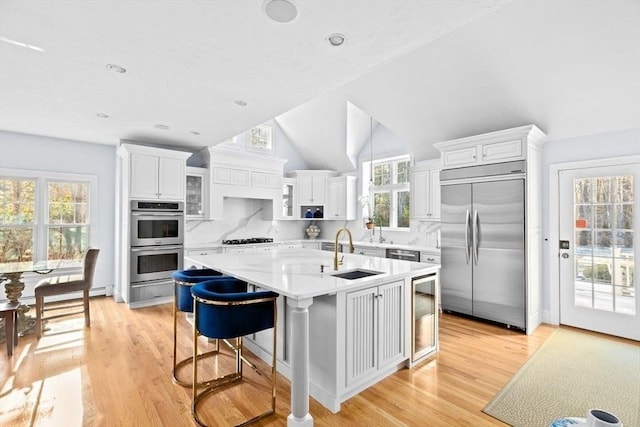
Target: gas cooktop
248	241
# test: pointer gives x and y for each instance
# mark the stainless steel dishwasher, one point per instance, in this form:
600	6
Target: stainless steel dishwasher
403	254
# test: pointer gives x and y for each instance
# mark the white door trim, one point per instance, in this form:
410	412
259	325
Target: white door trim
554	224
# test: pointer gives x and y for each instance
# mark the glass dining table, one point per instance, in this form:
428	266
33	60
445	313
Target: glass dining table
11	274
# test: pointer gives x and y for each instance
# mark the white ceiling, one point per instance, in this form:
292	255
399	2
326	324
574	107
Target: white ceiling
427	70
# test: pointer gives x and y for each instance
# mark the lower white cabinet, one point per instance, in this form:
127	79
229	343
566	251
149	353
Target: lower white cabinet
249	249
240	249
369	251
430	257
311	245
375	330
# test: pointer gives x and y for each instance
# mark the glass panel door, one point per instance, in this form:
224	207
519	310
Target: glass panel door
598	223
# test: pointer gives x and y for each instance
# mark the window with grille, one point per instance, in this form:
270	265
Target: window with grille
389	196
44	217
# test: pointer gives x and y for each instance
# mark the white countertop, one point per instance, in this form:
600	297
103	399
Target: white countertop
295	273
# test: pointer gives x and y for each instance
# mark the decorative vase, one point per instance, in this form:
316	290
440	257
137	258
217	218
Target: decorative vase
312	231
369	225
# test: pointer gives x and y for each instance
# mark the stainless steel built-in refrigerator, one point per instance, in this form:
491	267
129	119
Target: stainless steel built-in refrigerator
483	242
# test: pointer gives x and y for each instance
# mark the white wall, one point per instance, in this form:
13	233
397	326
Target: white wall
590	147
22	151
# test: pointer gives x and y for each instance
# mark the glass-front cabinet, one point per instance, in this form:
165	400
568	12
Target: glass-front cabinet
195	205
288	191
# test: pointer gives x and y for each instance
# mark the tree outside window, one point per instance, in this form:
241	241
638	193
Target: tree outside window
68	222
17	219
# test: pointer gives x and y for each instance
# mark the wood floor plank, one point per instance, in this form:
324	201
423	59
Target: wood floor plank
120	370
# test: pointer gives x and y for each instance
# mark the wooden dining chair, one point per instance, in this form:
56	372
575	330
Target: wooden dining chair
60	285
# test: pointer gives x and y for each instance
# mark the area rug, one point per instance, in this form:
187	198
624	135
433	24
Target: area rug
569	374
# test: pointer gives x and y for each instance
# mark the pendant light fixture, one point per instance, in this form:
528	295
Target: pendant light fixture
370	154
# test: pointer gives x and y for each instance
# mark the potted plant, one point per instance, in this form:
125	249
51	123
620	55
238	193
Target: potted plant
369	218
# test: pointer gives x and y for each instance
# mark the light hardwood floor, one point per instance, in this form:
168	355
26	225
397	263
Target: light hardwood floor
118	373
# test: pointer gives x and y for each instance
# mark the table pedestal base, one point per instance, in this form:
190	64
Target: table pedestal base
13	289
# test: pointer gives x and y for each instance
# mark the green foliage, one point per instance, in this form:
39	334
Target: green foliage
602	273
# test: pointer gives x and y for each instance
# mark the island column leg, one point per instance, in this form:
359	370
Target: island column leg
300	415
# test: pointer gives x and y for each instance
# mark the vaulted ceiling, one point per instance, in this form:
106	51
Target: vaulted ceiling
428	71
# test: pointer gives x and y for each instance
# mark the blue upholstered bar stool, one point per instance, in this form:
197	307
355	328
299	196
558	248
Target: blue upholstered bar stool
183	302
225	310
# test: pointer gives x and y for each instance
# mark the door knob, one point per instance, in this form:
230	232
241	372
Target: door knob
565	255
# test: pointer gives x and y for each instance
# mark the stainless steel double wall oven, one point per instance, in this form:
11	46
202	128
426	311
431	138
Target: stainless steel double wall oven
157	240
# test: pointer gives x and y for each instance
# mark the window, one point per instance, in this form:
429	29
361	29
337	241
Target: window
44	216
17	219
67	228
260	138
390	191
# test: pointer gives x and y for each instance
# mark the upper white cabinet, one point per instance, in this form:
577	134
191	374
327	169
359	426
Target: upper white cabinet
288	198
154	173
425	191
312	186
196	193
341	198
495	147
311	191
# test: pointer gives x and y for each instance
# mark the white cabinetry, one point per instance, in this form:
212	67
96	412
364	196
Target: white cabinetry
425	191
145	173
196	193
375	327
430	257
288	198
154	173
311	245
250	249
341	194
369	251
291	245
494	147
516	144
311	189
200	251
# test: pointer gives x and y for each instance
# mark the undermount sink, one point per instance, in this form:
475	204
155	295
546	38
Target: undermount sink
356	274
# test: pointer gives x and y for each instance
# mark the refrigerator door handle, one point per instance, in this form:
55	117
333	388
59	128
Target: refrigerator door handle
476	238
467	251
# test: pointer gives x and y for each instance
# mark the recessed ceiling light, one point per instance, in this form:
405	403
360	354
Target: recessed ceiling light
103	115
282	11
162	127
240	102
116	68
194	132
336	39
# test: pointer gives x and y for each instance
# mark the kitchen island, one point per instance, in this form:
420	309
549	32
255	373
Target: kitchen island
358	330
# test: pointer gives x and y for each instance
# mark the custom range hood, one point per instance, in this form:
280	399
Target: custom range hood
244	175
